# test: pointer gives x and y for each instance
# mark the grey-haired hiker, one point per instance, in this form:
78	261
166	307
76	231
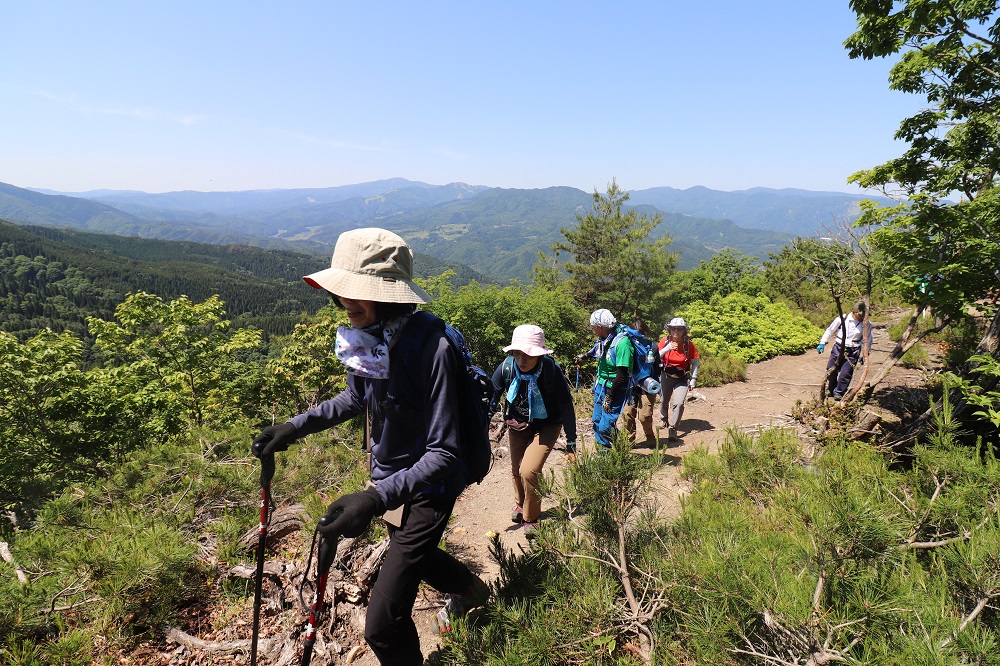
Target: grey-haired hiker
843	366
414	440
538	405
614	353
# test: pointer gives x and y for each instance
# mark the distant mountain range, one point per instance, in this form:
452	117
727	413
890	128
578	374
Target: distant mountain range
792	211
497	231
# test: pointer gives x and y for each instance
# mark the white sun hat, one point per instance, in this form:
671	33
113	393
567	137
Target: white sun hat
529	339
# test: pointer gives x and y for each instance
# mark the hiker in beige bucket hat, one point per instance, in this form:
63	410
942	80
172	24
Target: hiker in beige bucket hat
372	265
409	394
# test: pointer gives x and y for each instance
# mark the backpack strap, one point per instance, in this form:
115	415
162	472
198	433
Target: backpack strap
618	338
412	339
508	369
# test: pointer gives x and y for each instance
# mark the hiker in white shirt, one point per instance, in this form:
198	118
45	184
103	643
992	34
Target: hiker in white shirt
852	336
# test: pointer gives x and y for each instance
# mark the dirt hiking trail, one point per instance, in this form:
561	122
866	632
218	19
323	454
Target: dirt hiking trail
765	399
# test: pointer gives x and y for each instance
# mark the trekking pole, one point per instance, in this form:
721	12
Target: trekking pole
266	473
327	550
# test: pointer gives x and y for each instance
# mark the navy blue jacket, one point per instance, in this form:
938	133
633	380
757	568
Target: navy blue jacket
414	414
554	387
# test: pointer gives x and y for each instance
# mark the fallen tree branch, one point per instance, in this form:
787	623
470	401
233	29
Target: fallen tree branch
57	609
271	568
175	635
9	558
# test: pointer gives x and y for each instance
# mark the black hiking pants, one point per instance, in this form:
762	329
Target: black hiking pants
413	556
843	373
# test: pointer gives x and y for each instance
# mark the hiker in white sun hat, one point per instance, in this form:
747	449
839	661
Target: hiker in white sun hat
537	405
679	359
413	436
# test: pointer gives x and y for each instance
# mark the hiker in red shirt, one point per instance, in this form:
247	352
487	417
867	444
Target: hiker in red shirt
679	358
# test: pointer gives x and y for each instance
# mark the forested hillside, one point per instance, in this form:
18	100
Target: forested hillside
56	278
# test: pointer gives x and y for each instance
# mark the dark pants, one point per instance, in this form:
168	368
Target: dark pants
840	380
413	556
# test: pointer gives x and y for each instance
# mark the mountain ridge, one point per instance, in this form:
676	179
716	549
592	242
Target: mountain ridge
497	230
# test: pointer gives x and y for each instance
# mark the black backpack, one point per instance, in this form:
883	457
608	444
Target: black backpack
474	388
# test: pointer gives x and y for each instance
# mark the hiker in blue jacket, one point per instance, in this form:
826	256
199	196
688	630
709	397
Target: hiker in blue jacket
537	406
614	354
413	440
638	410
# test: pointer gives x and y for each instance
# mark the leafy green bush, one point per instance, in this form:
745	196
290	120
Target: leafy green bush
718	370
752	328
305	371
60	424
186	348
487	315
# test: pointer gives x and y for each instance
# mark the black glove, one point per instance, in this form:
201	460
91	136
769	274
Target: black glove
350	515
273	438
608	401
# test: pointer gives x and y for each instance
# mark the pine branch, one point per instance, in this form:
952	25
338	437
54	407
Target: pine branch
980	606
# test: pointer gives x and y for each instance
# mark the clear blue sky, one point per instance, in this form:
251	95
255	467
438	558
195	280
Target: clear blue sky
220	95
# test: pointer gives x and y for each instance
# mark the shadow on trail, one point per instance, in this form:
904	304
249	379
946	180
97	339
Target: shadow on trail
649	449
686	426
904	402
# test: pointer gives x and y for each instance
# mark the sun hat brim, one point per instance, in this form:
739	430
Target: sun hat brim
367	287
530	350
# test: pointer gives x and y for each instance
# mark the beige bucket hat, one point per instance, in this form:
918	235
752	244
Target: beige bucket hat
370	265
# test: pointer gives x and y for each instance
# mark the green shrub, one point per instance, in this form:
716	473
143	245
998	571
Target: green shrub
750	328
718	370
961	339
916	357
125	555
878	563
